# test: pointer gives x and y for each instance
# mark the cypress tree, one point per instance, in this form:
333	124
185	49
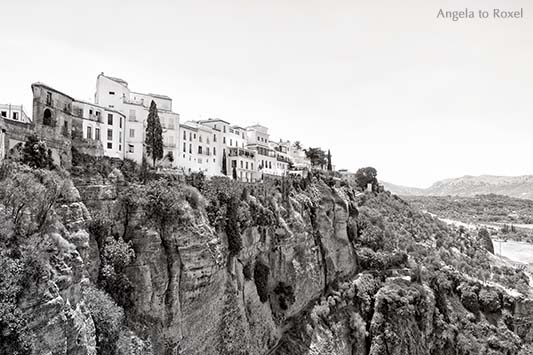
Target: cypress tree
154	134
224	163
329	161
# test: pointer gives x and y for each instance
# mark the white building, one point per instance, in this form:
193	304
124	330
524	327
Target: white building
114	93
258	141
14	112
200	149
283	159
102	124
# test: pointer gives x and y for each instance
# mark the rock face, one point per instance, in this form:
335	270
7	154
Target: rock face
295	285
60	321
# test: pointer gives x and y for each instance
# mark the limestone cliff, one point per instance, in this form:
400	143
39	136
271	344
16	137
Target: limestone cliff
282	267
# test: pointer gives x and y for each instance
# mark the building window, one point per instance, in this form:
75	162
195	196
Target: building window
120	147
190	136
109	134
199	149
120	122
184	135
200	138
207	140
252	166
47	118
110	119
190	148
207	151
111	93
132	133
132	116
246	165
224	140
111	106
130	148
49	98
224	129
194	136
15	115
97	134
3	114
89	133
109	145
184	147
214	151
230	142
214	138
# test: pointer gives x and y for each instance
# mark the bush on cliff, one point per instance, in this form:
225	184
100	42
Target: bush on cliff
261	272
28	196
116	255
108	319
36	154
232	227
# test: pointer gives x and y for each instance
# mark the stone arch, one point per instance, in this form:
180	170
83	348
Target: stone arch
47	117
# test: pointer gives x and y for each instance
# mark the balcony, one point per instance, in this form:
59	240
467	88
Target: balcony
241	152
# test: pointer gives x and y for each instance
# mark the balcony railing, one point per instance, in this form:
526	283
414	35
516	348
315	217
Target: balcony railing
233	152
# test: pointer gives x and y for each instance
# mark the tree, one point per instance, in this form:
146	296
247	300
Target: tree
485	239
154	135
36	154
317	156
224	164
365	176
298	145
330	168
170	156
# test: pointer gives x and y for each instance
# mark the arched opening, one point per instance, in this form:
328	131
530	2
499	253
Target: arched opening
47	117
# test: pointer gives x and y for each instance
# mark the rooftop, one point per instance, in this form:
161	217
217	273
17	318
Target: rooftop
48	87
118	80
213	120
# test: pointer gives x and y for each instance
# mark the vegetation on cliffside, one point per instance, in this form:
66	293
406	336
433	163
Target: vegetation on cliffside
161	264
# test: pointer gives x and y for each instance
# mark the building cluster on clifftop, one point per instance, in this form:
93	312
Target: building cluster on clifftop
115	124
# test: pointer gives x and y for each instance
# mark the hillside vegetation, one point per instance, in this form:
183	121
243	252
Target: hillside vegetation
96	262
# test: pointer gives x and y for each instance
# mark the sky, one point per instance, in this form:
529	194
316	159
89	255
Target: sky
381	83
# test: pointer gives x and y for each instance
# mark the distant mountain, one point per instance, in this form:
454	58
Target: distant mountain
513	186
403	190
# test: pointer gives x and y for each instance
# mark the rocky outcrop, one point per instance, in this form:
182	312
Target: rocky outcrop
294	285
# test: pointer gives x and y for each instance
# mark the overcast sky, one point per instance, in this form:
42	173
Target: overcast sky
381	83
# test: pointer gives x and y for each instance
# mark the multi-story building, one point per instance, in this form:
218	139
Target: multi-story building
3	140
114	93
14	112
258	141
101	124
200	149
299	159
64	121
283	159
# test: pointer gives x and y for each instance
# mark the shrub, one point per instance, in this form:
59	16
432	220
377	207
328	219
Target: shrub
247	271
108	318
285	295
12	338
232	227
116	255
36	154
261	272
162	204
489	300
